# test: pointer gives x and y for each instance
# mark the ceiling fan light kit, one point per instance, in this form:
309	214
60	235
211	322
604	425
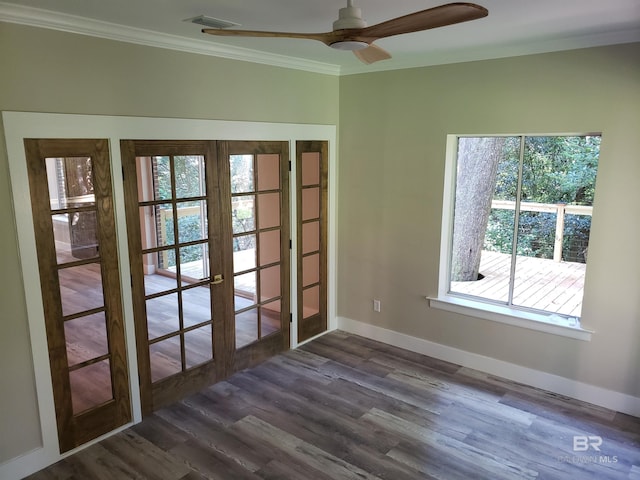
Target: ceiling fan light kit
350	32
349	45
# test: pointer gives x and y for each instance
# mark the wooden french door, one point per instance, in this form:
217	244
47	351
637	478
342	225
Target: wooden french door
71	196
208	228
312	214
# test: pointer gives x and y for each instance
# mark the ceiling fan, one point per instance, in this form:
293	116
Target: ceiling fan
350	31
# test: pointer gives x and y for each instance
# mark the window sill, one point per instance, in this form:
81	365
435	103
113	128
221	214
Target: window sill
510	316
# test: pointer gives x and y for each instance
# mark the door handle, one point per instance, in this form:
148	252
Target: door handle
217	279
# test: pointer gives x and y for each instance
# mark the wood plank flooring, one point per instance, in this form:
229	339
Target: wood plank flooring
345	407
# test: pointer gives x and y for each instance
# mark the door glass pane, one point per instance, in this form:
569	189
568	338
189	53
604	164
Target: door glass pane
243	213
192	221
156	226
196	306
62	237
162	178
90	386
86	338
162	315
244	290
165	358
246	327
70	182
268	210
83	241
310	237
241	173
269	283
144	170
194	263
80	288
310	168
244	253
311	301
310	270
154	282
268	172
310	203
269	247
189	175
270	318
198	346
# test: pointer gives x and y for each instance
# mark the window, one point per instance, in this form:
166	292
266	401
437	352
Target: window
517	222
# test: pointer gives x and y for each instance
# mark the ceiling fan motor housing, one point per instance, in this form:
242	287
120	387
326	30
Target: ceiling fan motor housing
349	17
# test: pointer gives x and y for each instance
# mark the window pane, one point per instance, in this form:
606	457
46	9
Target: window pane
86	338
162	315
194	263
268	172
165	358
270	318
244	290
243	216
81	288
310	203
486	187
269	210
70	182
198	347
269	283
246	327
154	282
311	168
557	187
189	175
310	237
156	225
192	221
310	270
90	386
244	253
269	247
162	178
241	173
196	306
311	301
146	184
558	184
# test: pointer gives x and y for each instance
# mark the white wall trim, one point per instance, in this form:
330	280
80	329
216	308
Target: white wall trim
35	17
611	399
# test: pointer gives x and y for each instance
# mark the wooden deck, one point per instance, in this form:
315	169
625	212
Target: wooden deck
539	283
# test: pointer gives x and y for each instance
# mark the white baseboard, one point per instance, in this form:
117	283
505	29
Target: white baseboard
610	399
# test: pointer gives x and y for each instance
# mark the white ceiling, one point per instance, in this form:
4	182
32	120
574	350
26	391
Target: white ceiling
513	27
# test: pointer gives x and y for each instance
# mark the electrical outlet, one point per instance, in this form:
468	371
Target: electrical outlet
376	305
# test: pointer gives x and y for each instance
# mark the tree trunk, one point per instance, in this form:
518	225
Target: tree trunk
478	160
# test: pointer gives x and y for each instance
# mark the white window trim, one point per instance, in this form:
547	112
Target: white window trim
471	307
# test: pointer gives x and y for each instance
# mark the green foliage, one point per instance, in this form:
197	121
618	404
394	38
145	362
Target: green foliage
555	170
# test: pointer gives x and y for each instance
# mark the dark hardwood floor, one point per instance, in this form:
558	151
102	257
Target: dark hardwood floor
345	407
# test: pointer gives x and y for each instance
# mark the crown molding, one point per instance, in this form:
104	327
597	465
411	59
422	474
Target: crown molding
490	52
35	17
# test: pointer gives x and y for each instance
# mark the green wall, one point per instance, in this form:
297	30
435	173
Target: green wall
48	71
393	129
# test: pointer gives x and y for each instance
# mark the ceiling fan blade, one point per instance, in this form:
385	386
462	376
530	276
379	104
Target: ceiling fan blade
441	16
326	38
371	54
